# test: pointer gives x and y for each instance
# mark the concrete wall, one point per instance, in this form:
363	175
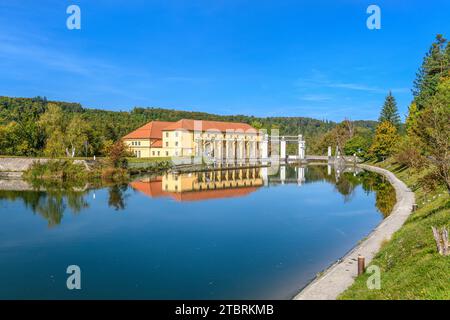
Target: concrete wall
23	164
18	164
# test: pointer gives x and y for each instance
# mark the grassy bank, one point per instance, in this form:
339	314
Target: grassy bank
410	266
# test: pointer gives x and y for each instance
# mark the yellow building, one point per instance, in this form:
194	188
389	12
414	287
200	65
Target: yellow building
214	139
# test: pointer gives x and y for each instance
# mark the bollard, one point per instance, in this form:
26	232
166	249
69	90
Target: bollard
414	207
361	265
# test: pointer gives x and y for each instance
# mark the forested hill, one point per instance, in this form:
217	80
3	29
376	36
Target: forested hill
103	125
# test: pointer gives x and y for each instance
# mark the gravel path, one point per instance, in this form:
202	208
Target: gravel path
341	275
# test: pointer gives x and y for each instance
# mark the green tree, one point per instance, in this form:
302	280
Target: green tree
432	131
358	145
78	137
52	122
10	140
389	112
411	119
384	141
52	119
54	146
435	65
257	124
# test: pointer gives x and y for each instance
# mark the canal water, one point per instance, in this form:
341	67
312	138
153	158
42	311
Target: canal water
238	234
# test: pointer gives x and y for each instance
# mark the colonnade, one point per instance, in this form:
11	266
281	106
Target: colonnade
243	149
228	149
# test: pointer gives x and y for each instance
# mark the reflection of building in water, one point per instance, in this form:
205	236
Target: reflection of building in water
202	185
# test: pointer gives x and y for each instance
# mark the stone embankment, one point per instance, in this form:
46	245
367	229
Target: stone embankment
14	167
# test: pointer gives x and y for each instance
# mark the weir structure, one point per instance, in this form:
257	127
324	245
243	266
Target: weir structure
282	141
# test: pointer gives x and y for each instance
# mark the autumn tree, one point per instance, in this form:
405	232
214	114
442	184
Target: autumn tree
384	141
118	154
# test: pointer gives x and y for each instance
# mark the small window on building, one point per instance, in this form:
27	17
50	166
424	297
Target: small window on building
176	143
176	134
167	144
159	152
153	153
176	188
167	153
167	134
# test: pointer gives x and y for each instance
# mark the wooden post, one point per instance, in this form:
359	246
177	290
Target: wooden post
361	265
414	207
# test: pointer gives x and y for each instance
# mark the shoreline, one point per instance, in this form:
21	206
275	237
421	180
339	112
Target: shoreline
340	275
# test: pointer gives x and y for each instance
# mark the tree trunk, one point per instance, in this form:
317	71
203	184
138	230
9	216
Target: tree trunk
437	238
445	241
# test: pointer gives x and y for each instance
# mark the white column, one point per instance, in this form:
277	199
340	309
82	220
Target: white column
329	169
264	147
282	174
338	153
264	176
219	154
302	150
283	148
329	152
241	150
301	175
301	147
253	150
234	149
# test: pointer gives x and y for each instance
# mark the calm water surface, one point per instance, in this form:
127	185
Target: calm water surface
226	235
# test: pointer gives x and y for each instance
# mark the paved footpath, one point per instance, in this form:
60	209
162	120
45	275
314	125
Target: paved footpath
342	274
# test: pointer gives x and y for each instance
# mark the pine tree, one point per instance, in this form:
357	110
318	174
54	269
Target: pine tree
390	111
434	66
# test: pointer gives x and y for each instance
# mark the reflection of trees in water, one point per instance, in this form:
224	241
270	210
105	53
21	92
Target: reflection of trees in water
52	209
345	183
117	196
385	192
50	204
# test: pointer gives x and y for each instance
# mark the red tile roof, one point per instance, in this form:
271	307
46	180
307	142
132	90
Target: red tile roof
153	189
188	124
151	130
157	144
212	194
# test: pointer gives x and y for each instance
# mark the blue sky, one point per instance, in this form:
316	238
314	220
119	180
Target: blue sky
264	58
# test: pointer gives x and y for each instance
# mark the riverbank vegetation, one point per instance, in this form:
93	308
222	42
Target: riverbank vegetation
411	267
117	166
